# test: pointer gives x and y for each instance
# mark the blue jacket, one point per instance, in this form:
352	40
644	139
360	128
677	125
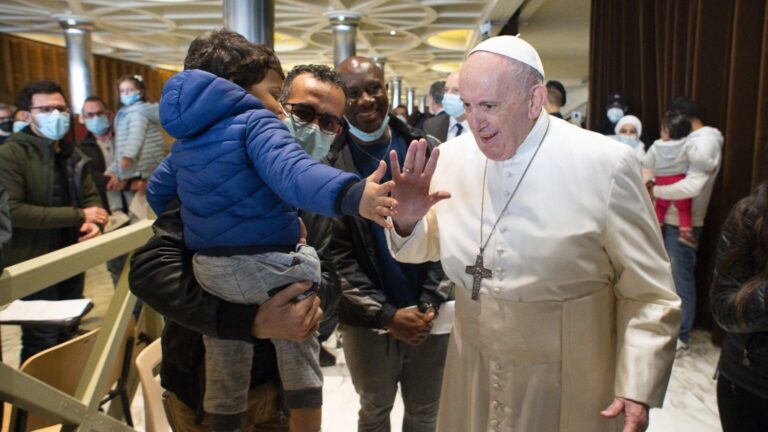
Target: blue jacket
237	171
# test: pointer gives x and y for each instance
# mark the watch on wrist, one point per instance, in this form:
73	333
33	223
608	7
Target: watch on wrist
426	307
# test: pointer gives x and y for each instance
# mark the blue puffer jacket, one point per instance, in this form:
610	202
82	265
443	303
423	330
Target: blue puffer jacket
238	172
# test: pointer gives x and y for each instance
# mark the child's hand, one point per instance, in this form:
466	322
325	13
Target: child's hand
376	203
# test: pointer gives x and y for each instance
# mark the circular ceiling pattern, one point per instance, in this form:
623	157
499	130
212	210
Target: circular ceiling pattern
415	35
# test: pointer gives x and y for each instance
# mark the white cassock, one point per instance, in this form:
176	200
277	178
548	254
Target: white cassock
581	305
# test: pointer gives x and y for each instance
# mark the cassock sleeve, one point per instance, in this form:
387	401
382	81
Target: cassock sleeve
647	308
421	246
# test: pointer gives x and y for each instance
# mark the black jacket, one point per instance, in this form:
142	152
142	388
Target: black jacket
161	275
91	148
353	249
744	358
5	226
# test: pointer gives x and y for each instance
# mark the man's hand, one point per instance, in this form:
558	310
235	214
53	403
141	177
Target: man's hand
88	230
376	203
126	162
281	318
410	326
635	414
138	185
95	215
412	186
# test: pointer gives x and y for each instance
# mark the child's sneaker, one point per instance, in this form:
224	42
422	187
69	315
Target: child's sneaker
687	238
682	349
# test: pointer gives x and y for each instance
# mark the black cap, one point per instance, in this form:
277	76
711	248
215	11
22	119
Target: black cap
557	85
616	97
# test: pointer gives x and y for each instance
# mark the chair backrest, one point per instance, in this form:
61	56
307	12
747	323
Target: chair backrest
61	367
146	362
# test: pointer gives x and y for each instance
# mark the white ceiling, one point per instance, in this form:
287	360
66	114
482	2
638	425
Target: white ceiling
158	32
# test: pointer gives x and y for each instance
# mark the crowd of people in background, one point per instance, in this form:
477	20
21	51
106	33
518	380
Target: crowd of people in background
236	188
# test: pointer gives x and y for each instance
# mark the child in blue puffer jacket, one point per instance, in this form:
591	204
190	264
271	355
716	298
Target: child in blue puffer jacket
240	178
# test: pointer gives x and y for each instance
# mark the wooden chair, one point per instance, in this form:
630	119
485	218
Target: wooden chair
62	367
146	363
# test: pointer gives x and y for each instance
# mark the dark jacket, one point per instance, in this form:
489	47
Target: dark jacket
161	275
27	172
5	226
91	148
744	358
364	302
437	126
238	172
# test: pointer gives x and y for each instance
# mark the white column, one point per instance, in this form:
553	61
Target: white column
77	33
422	104
409	100
395	92
344	27
254	19
380	62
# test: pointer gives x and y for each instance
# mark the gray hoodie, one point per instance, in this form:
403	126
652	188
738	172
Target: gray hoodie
707	146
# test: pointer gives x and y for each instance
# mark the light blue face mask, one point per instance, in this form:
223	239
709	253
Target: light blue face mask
130	99
453	105
369	136
53	125
19	126
314	141
97	125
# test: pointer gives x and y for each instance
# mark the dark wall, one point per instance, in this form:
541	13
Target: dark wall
714	51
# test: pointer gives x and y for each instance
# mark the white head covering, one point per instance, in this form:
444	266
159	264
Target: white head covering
634	121
512	47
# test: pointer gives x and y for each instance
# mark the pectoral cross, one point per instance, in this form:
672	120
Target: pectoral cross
478	273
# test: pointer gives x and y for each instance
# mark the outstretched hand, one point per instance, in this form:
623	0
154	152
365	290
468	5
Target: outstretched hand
412	190
376	203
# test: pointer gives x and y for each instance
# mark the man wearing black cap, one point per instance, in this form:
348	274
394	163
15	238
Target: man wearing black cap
555	98
615	108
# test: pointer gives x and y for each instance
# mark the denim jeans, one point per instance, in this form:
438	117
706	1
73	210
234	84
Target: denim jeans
683	260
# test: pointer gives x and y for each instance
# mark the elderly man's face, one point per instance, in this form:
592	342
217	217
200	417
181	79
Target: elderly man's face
500	111
367	102
315	101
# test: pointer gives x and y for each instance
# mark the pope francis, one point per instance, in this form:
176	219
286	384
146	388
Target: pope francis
566	317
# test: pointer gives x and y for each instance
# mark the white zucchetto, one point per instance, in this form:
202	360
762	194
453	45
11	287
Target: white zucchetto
512	47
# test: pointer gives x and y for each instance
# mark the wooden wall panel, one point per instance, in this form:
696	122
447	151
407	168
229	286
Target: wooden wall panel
24	60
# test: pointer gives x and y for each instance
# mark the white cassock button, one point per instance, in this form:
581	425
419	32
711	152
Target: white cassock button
496	366
494	422
508	174
500	250
496	386
506	193
497	291
502	229
499	270
495	404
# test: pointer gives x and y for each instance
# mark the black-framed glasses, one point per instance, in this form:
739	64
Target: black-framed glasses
304	114
51	108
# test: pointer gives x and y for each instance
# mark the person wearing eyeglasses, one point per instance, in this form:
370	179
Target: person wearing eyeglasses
6	121
53	199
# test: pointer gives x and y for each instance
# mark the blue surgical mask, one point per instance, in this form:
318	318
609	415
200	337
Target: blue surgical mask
453	105
314	141
369	136
130	99
97	125
630	140
19	126
614	114
53	125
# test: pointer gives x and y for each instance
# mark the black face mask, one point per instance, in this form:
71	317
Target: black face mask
6	126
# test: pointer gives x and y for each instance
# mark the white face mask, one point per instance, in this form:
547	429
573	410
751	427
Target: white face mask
615	114
630	140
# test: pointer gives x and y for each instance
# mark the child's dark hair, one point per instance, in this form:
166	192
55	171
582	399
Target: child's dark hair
137	80
230	55
677	124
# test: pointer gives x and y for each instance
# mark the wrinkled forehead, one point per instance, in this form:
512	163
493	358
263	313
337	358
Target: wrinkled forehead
487	70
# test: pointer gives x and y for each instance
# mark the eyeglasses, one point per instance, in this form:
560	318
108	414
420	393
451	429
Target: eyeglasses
49	109
90	115
305	114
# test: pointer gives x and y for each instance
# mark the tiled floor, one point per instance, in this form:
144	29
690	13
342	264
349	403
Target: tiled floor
690	404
